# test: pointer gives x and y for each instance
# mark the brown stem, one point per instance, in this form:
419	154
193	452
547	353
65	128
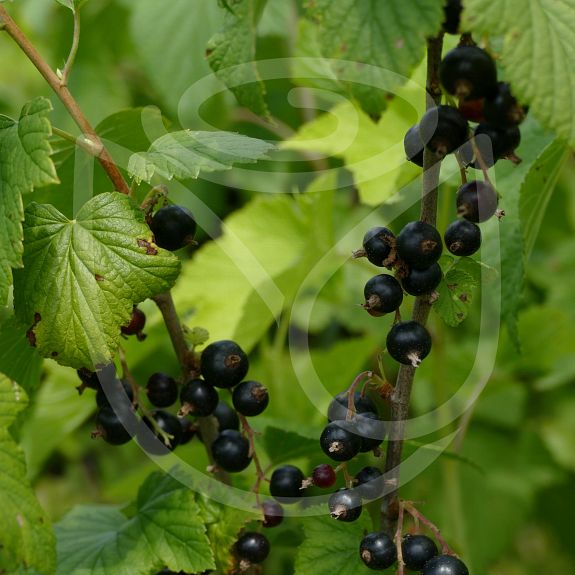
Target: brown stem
402	394
98	149
419	517
260	473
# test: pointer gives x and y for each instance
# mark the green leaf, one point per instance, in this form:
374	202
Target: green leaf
282	445
82	276
26	538
231	53
166	531
536	54
24	164
383	36
185	154
71	4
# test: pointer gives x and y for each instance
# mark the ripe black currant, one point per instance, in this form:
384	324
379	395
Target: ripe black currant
286	484
231	451
323	476
173	227
417	550
370	429
445	565
226	417
495	143
199	398
377	551
338	442
167	423
250	398
110	428
345	505
502	109
136	325
377	244
452	11
189	430
369	482
273	513
383	294
162	390
252	547
338	408
419	245
420	282
462	238
117	393
89	379
443	129
468	72
413	146
476	201
224	363
409	343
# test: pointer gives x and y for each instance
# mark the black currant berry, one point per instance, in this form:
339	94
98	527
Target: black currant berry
199	398
369	482
377	551
89	379
286	484
420	282
417	550
413	146
383	294
323	476
338	408
231	451
224	363
445	565
502	109
495	143
378	243
443	129
117	393
476	201
226	417
370	429
345	505
173	227
136	325
468	72
250	398
338	442
273	513
159	445
189	430
452	10
419	245
110	428
252	547
462	238
162	390
409	343
472	110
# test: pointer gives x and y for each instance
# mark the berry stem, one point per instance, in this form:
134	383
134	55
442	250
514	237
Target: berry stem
61	90
401	396
351	393
73	50
260	473
398	540
419	517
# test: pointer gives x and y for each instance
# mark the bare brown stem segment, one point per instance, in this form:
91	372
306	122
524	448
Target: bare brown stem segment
402	393
98	150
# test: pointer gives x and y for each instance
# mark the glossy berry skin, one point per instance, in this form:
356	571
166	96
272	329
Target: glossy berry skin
157	445
468	72
345	505
421	282
338	408
443	129
452	10
413	146
136	325
495	143
377	551
445	565
226	417
173	227
199	398
377	244
462	238
338	442
323	476
286	484
419	245
162	390
417	550
250	398
476	201
119	394
110	428
409	343
231	451
224	363
502	109
189	430
252	547
369	481
383	294
273	513
370	429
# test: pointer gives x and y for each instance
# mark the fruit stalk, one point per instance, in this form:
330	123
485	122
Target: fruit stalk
401	396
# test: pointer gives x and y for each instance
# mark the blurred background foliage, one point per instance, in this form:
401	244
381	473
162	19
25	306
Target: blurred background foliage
278	279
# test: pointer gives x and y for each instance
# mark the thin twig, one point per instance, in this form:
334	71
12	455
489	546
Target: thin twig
260	473
419	517
73	50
